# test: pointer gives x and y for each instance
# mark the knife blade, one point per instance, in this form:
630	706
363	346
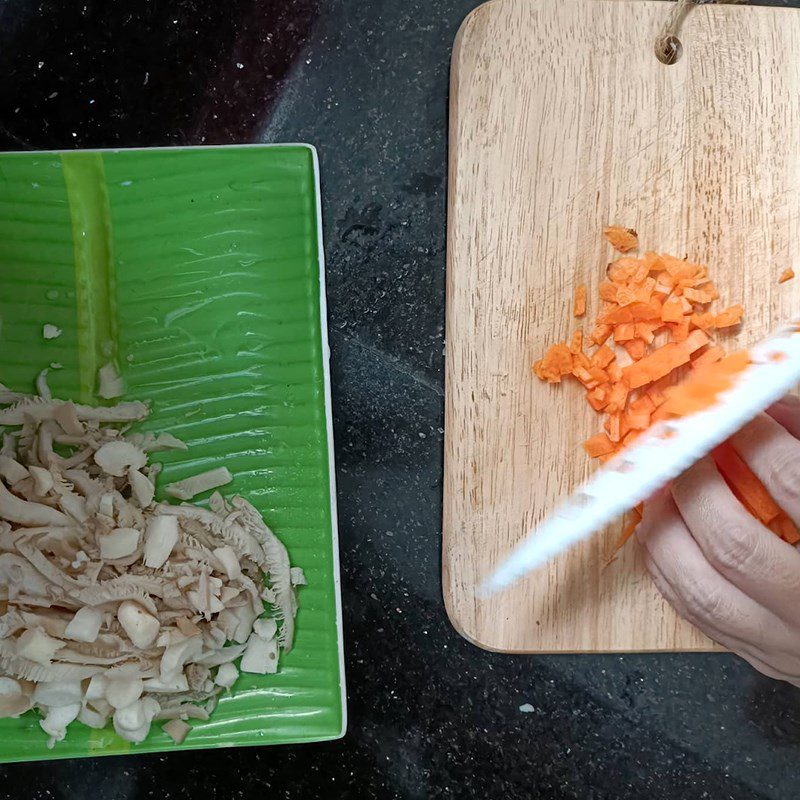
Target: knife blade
661	454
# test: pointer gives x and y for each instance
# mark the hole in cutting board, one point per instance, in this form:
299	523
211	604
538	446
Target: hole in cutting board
669	50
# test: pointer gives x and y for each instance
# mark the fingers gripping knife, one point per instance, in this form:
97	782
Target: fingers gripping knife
658	456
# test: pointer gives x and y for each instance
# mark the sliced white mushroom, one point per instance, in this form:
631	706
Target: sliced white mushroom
265	628
124	690
298	577
13	701
226	675
42	388
142	488
116	458
50	331
57	693
161	536
177	730
260	657
64	414
177	655
11	470
56	721
85	625
133	722
109	382
42	480
230	561
142	628
174	684
35	645
197	484
121	542
14	509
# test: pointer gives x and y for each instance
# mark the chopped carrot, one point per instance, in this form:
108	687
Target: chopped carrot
627	530
657	365
603	356
729	317
636	348
601	333
786	275
579	301
700	390
785	528
624	332
622	239
710	356
740	476
679	332
599	445
631	384
704	321
598	398
672	310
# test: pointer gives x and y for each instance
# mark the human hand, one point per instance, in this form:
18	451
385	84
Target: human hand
720	567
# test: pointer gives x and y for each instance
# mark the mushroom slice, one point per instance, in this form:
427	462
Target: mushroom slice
141	487
177	730
226	675
161	536
30	514
85	625
35	645
121	542
42	480
260	657
11	470
142	628
197	484
109	382
66	416
116	458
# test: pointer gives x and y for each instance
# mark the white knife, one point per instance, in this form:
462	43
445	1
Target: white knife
656	457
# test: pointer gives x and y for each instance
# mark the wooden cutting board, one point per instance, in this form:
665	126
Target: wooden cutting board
562	120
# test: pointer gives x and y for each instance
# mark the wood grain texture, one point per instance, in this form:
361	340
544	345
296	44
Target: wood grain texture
562	121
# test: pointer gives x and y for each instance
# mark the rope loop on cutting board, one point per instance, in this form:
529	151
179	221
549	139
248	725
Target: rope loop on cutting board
668	47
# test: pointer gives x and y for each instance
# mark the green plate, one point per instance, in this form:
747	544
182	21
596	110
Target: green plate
202	268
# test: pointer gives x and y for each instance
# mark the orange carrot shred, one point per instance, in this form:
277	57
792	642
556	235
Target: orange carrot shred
599	445
579	302
576	343
740	476
603	356
786	275
624	332
601	333
729	317
622	239
657	365
709	356
636	348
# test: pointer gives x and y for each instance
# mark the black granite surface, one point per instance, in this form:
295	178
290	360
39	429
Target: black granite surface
430	715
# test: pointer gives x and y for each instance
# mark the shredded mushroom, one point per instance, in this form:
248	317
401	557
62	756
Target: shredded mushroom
114	609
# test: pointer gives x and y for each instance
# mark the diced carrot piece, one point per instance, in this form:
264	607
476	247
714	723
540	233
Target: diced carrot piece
626	296
729	317
672	310
617	397
581	360
603	357
785	528
614	371
613	427
656	365
576	343
598	445
643	405
608	292
579	301
695	340
624	332
646	331
556	363
622	239
679	332
703	321
617	316
786	275
747	484
598	374
601	333
598	398
702	296
636	348
623	269
702	388
637	420
654	261
630	437
585	377
710	356
656	396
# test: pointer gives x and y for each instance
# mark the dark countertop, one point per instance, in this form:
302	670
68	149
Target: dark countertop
430	715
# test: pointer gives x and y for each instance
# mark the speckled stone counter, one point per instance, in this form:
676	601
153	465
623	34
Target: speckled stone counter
430	715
